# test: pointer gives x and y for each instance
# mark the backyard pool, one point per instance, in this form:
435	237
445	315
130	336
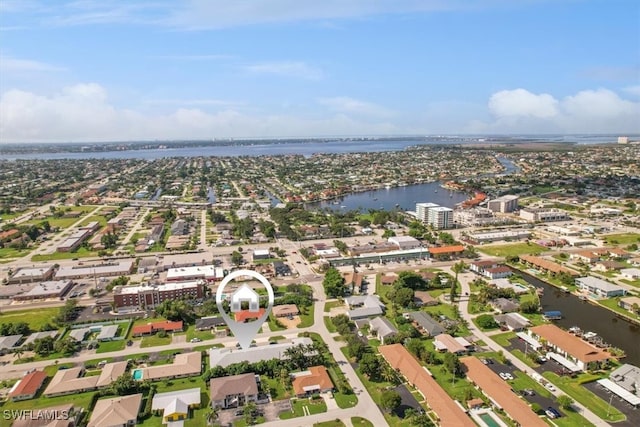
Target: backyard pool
488	420
137	374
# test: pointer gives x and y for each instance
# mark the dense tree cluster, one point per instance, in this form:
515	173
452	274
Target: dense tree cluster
333	283
176	310
18	328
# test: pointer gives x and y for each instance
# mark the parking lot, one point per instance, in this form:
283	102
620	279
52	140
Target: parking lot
633	414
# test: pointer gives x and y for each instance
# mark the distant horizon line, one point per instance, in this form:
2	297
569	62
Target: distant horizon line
335	137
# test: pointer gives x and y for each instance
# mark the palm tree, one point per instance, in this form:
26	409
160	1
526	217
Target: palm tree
18	352
212	416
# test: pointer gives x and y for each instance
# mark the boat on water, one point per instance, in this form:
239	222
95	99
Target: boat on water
583	297
343	207
589	336
435	191
335	202
575	330
375	198
552	315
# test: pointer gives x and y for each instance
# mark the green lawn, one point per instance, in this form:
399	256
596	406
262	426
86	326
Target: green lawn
331	304
622	239
585	397
299	405
203	335
154	340
329	324
458	388
362	422
345	400
612	304
97	218
108	346
275	325
512	249
276	389
334	423
503	339
306	316
80	253
35	318
13	253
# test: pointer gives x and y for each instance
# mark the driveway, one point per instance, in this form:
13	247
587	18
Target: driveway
408	401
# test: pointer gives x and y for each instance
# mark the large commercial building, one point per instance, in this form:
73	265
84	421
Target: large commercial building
44	290
149	296
543	215
201	272
504	204
31	275
435	215
122	268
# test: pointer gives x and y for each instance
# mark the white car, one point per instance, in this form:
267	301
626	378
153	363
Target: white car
505	376
549	387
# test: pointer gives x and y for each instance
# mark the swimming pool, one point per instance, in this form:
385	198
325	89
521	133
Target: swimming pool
488	419
137	374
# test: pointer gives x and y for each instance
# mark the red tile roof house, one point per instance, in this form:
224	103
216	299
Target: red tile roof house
28	386
152	328
245	315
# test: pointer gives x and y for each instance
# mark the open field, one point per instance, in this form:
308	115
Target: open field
34	318
514	249
622	239
80	253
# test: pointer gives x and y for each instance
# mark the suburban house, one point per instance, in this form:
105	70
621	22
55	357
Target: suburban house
448	412
281	269
608	265
630	303
353	282
175	405
184	365
245	316
362	306
382	328
234	391
424	298
72	381
546	265
388	278
314	380
152	328
500	393
207	323
455	345
285	310
504	305
599	287
513	321
426	324
117	411
569	350
27	387
630	273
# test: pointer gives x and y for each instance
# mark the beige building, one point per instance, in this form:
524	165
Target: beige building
118	411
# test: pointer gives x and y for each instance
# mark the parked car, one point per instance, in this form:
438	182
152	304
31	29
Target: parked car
528	392
196	339
552	412
549	387
506	376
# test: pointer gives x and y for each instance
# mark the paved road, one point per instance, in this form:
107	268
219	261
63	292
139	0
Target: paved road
465	280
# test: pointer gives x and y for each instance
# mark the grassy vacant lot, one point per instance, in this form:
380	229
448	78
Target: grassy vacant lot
155	340
512	249
34	318
306	316
585	397
331	304
80	253
503	339
13	252
622	239
98	218
203	335
108	346
362	422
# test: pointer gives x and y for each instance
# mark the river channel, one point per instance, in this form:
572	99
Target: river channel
589	317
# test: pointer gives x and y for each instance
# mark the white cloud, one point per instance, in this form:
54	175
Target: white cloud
83	113
588	111
286	68
520	102
9	64
344	104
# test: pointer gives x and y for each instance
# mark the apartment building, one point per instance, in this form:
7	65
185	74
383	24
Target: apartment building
503	204
149	296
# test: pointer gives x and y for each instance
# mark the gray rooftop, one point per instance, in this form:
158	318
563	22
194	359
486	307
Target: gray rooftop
107	332
39	335
9	341
426	322
594	282
227	356
382	326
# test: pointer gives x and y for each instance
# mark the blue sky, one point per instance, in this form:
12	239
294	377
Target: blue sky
102	70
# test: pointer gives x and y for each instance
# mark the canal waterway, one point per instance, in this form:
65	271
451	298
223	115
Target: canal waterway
404	198
589	317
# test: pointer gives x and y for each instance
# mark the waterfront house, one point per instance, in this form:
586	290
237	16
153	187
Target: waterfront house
630	303
574	351
504	305
599	287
